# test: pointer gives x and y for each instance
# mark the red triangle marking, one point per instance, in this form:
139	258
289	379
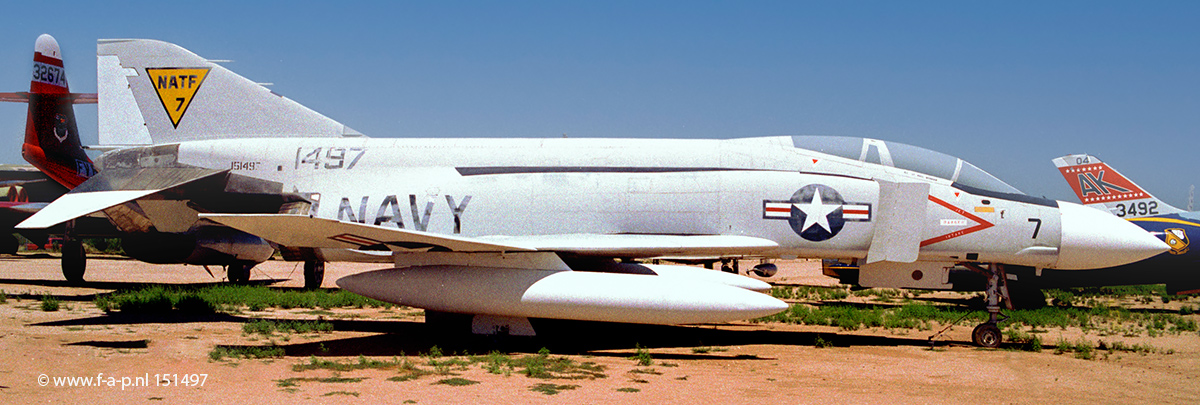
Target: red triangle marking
982	224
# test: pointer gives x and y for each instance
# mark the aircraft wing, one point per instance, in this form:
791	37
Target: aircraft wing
304	231
642	245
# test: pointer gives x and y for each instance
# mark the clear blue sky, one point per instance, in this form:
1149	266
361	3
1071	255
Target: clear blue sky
1004	85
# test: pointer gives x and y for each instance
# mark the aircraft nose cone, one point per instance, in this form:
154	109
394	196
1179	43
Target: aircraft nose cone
1093	239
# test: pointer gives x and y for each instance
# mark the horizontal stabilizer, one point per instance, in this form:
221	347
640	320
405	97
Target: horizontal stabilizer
75	205
75	98
111	188
642	246
304	231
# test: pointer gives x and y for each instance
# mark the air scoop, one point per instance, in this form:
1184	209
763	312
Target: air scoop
1093	239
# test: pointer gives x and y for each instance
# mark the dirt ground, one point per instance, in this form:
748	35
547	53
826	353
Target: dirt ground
727	363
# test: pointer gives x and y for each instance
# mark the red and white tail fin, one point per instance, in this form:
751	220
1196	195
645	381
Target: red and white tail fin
1097	184
51	135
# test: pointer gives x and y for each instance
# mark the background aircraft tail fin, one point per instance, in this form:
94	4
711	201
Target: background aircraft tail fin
51	135
1097	184
156	92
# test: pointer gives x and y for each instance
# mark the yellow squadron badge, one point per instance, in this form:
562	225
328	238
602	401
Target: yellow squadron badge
176	87
1177	239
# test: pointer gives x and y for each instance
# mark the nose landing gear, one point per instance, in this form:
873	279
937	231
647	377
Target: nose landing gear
987	334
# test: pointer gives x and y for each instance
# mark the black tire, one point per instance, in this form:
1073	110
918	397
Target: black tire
314	274
239	272
987	335
74	260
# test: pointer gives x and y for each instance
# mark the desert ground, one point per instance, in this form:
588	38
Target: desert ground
741	362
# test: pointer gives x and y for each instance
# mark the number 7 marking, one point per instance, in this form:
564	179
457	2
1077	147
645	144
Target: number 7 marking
1036	228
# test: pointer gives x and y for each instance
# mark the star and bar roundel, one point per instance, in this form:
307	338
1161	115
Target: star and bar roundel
816	212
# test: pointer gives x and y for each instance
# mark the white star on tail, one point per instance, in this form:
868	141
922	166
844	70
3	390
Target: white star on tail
816	213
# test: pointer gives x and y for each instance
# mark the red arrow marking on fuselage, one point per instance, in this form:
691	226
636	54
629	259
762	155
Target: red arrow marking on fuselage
983	224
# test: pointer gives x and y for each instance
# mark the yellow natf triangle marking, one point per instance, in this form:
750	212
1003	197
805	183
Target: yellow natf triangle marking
176	87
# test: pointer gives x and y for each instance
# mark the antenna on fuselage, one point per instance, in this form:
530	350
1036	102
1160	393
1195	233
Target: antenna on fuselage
1191	197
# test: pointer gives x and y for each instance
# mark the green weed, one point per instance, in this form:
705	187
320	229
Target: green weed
228	298
542	365
49	303
551	389
642	356
1028	341
362	363
268	327
346	393
246	352
920	316
456	382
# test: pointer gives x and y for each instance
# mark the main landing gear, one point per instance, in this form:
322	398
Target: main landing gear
987	334
74	259
239	273
314	274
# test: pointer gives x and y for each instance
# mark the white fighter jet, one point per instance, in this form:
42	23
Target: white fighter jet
208	167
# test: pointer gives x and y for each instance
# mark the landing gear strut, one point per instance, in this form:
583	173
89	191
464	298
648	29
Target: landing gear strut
74	259
314	274
987	334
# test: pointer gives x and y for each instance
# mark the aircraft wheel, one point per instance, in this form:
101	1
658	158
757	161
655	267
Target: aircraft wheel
987	335
239	272
314	274
74	260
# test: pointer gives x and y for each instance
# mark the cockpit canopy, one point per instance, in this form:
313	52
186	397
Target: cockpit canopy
906	157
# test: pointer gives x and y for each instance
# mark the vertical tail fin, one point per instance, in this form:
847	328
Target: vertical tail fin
156	92
1097	184
51	135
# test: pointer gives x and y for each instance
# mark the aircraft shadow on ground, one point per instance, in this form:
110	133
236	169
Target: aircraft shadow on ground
124	285
398	338
118	318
